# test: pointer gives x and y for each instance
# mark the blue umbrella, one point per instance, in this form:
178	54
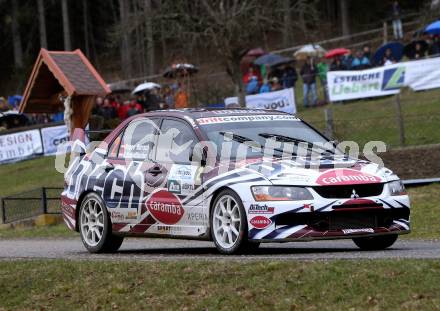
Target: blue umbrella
272	60
14	100
396	50
433	29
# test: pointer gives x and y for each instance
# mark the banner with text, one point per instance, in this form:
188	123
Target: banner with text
283	100
52	137
418	75
19	146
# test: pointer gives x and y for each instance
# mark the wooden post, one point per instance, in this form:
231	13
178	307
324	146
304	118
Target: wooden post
400	121
385	32
329	127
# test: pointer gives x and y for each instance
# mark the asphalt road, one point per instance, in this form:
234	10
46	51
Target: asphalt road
160	249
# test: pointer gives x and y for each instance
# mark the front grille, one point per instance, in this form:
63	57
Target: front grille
346	191
348	219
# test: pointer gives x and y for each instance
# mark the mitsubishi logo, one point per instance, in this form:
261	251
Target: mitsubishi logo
354	195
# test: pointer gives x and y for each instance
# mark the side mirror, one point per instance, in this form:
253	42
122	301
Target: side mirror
199	154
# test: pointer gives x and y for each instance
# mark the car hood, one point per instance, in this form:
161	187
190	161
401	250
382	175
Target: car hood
321	171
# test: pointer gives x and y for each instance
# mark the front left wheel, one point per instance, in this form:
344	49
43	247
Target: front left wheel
229	224
95	226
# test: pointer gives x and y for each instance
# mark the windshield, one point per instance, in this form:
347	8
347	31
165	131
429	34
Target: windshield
253	133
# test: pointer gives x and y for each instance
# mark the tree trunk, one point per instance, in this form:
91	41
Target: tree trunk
343	7
287	27
125	44
86	27
66	26
42	24
16	38
149	36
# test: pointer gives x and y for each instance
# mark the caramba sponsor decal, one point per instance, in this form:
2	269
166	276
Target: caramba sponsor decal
165	207
261	209
346	177
260	222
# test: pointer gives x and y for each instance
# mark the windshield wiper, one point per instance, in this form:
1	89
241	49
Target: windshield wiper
246	141
287	139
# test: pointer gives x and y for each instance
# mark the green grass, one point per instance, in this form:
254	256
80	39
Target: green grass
225	285
55	231
425	212
365	120
29	174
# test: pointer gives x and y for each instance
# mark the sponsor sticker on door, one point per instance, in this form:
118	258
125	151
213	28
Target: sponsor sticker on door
165	207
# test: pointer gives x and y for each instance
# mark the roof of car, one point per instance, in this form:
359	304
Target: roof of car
196	113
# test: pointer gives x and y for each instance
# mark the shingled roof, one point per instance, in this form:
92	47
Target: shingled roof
56	73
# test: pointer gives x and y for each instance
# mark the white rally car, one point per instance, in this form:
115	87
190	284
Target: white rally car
236	177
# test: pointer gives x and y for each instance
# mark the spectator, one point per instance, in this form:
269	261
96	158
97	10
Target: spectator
252	86
251	77
308	75
3	105
289	77
435	46
418	52
348	59
360	61
122	111
59	116
322	73
275	84
98	105
388	58
106	110
367	52
265	87
337	65
168	97
181	98
397	22
133	108
152	100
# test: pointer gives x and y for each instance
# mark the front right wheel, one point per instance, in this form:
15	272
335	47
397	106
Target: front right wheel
375	242
229	227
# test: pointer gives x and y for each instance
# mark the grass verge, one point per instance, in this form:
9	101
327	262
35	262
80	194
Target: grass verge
321	285
55	231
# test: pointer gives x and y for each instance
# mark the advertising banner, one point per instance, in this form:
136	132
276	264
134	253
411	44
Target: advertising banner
418	75
283	100
52	137
21	145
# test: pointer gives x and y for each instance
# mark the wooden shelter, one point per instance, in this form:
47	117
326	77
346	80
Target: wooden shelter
63	81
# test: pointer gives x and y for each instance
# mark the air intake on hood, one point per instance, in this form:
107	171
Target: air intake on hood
349	191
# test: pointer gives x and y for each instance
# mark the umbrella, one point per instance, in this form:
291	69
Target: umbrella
257	52
118	88
433	29
272	60
312	50
336	52
410	49
146	86
180	70
396	50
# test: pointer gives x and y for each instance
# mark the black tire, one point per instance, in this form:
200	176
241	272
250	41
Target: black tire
108	242
375	242
242	245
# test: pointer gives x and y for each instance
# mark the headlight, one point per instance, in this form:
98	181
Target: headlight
396	188
280	193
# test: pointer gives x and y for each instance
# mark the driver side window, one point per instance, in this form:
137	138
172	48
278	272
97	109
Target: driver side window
176	142
139	140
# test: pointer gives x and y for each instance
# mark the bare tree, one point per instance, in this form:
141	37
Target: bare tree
86	27
66	26
343	7
125	36
16	38
42	23
149	36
